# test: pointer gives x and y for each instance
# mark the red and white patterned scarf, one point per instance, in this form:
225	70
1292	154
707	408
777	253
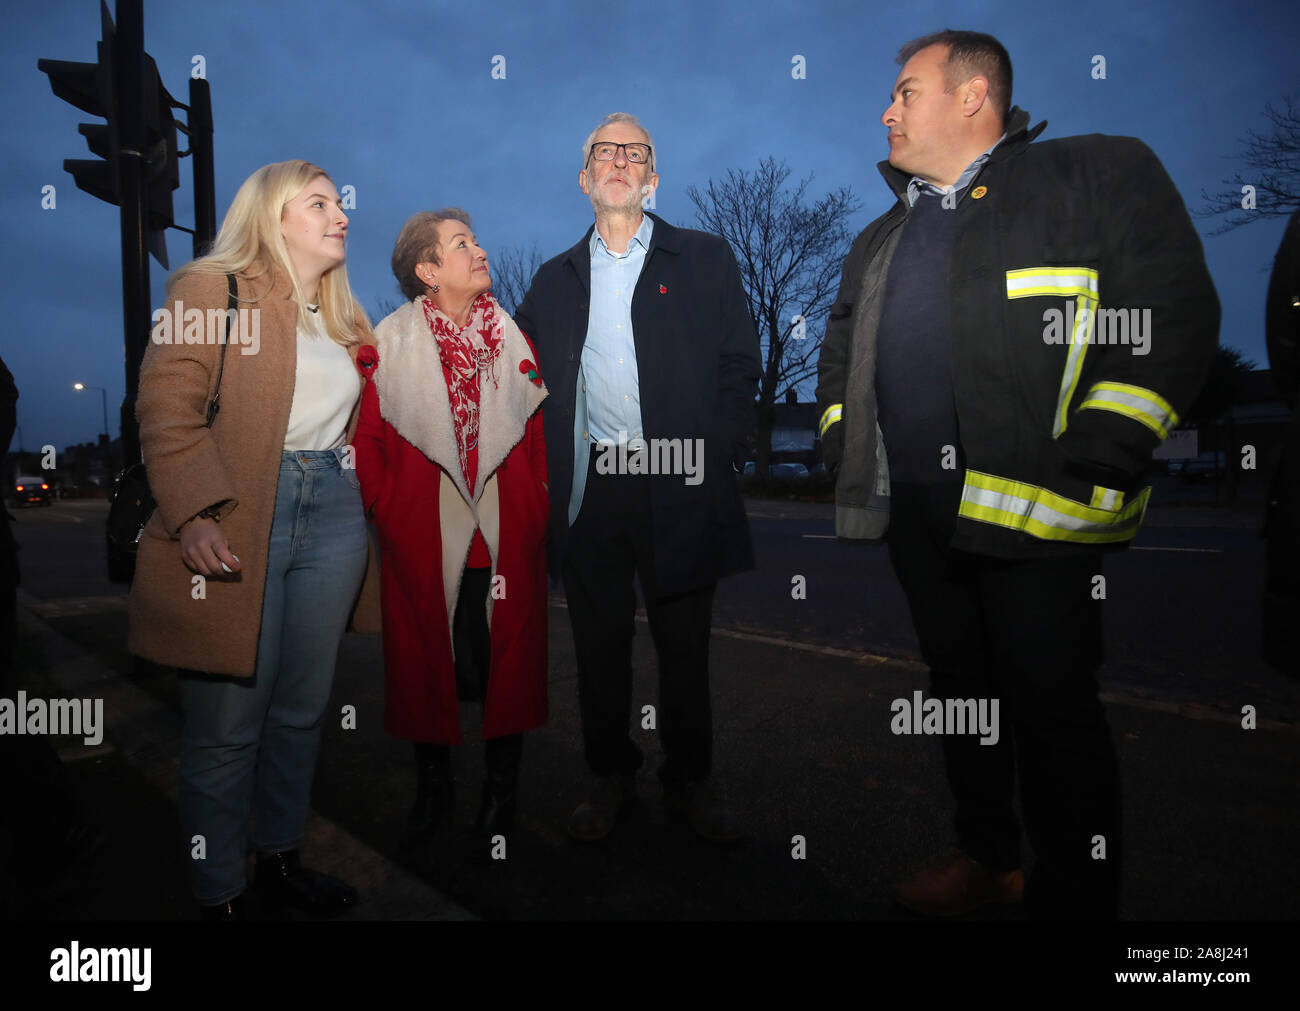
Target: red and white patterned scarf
467	353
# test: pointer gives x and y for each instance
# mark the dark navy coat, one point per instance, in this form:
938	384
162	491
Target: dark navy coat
698	364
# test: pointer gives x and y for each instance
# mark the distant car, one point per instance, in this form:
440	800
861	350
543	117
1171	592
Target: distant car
1208	466
788	470
32	491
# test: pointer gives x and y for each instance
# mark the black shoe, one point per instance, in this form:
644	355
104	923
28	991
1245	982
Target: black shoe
234	911
703	808
610	802
496	814
435	793
283	881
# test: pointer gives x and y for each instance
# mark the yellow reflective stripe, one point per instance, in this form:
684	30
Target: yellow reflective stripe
1060	281
1136	402
1085	314
829	417
1044	514
1106	498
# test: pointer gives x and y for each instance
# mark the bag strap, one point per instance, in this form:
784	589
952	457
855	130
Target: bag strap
232	305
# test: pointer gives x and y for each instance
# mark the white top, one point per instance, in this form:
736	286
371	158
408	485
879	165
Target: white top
325	390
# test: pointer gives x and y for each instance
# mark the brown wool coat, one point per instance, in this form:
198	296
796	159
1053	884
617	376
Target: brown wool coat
192	467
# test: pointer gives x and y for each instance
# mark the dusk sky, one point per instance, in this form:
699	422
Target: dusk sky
397	99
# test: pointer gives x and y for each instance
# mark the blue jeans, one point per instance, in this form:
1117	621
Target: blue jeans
249	745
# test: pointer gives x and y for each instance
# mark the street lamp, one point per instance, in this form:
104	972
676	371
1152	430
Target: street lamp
104	395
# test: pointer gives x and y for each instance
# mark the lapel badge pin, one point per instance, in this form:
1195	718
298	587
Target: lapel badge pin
978	192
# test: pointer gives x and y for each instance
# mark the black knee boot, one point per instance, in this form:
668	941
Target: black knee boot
435	792
496	814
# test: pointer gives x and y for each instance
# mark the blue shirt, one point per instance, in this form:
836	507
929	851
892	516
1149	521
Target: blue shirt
609	388
918	185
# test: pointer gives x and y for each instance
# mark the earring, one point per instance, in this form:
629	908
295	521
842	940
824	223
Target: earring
434	288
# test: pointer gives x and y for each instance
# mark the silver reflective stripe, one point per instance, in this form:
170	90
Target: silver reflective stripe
1086	313
1108	499
1033	509
1041	513
831	415
1083	283
1140	404
1060	281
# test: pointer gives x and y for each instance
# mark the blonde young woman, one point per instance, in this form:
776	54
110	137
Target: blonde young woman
251	564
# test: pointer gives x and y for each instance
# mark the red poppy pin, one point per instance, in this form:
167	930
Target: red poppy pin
367	359
663	289
530	370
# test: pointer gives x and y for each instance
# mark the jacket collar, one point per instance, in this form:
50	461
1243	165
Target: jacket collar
413	395
1019	136
664	236
271	286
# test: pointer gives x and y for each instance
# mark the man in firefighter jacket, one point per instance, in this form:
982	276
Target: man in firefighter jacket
1010	342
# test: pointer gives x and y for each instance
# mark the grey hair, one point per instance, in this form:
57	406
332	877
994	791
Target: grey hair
418	243
618	117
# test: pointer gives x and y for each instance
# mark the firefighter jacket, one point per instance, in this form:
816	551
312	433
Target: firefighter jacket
1083	323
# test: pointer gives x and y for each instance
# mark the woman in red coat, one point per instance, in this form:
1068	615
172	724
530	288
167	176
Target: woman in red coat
452	463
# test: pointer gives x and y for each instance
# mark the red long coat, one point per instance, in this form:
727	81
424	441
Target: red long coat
415	494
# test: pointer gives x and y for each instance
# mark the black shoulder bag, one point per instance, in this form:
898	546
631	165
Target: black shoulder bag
132	501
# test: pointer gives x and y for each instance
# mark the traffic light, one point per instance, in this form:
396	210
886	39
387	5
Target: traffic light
96	88
161	164
138	171
92	88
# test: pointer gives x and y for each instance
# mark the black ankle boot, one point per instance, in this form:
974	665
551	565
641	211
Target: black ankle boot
283	881
435	791
234	911
496	814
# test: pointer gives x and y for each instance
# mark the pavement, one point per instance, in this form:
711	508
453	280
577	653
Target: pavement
836	806
127	786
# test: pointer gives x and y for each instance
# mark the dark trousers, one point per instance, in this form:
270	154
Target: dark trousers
470	637
1029	634
609	545
472	643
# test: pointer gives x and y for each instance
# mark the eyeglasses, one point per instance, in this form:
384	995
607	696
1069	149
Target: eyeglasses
637	154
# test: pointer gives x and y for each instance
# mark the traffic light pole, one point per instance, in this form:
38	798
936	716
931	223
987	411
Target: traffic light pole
138	173
131	180
205	200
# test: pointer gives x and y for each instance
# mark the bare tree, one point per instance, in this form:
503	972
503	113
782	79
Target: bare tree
790	249
1219	393
512	273
1273	177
